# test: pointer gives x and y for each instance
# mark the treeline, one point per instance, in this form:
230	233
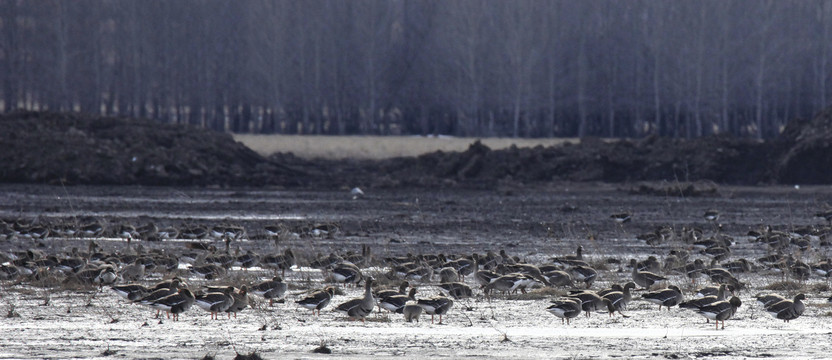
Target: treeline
461	67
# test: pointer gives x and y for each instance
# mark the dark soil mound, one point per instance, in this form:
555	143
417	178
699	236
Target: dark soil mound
79	149
808	157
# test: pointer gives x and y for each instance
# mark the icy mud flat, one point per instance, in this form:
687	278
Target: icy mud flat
61	322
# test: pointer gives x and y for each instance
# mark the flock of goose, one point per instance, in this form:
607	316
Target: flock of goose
693	255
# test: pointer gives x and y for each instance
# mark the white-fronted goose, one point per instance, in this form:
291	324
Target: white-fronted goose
787	310
240	302
359	308
176	303
346	273
769	299
318	299
720	310
271	289
456	290
558	278
584	274
396	303
131	292
437	305
486	277
669	297
412	311
711	215
390	292
448	275
590	301
645	279
565	308
701	302
509	283
215	302
279	262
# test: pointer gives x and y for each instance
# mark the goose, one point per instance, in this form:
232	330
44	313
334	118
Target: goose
279	262
645	279
240	302
787	310
271	289
437	305
215	302
318	299
396	303
558	278
381	294
509	283
769	299
131	292
359	308
448	275
720	310
486	277
711	215
565	308
622	218
589	301
346	273
669	297
614	301
699	303
412	311
584	274
465	266
176	303
456	290
621	297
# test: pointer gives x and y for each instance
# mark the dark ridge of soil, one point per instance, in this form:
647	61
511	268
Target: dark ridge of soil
71	148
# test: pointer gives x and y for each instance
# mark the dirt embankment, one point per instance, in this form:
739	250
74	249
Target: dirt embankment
79	149
72	148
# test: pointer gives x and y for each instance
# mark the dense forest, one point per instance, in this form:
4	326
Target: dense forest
463	67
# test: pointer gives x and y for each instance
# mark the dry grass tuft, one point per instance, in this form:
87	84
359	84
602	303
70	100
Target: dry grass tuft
784	286
375	147
540	294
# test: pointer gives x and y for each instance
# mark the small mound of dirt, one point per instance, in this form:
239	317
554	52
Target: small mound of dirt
72	148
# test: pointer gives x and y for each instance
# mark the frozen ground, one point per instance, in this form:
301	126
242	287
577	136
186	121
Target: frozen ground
60	322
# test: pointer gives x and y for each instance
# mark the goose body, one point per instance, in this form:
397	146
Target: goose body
318	300
720	310
412	311
787	310
271	289
176	303
359	308
437	305
456	290
669	297
565	308
396	303
215	302
645	279
131	292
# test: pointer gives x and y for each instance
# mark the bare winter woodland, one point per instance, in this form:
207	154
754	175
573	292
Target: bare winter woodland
467	68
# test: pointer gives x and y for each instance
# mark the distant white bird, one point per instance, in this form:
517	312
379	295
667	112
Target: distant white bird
356	193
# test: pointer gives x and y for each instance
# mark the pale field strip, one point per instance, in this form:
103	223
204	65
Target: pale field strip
377	147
